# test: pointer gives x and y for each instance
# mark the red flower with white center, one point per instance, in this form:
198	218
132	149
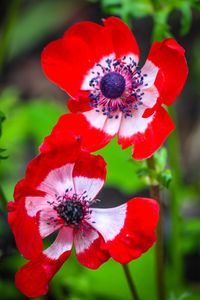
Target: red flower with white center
56	195
98	67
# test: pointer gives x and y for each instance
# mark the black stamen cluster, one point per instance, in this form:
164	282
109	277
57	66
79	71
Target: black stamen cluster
71	211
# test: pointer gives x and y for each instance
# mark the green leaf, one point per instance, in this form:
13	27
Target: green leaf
161	159
121	168
128	8
186	18
37	20
165	178
181	297
161	28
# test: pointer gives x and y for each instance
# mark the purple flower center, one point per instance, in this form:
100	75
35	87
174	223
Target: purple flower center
112	85
71	211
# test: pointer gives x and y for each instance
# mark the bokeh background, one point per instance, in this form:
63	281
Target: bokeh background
31	105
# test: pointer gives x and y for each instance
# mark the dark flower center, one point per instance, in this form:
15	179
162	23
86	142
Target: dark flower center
112	85
71	211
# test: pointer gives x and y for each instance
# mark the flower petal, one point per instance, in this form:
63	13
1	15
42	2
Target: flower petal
169	57
25	230
146	134
88	245
33	278
149	71
75	126
58	180
108	127
89	175
49	222
52	171
128	230
65	65
88	32
123	40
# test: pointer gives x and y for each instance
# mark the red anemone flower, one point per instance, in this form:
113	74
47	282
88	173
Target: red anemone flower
98	67
56	196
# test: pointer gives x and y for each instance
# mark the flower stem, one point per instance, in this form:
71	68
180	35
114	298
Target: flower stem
130	282
155	194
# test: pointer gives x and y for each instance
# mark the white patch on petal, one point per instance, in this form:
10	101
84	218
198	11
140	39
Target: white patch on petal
35	204
91	185
132	125
108	222
96	119
58	180
150	96
62	243
47	222
83	239
151	70
96	69
112	125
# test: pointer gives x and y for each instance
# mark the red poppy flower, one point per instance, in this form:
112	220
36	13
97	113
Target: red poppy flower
98	67
56	196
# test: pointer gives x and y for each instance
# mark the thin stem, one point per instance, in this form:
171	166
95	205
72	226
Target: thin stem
3	200
130	282
175	187
155	194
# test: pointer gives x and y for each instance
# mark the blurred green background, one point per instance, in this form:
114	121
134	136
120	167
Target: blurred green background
31	106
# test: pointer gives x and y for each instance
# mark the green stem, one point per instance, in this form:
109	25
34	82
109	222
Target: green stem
160	268
3	200
130	282
175	187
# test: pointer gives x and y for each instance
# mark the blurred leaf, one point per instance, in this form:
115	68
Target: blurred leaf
36	21
121	168
186	18
26	125
160	157
128	8
2	118
165	178
3	156
161	28
182	297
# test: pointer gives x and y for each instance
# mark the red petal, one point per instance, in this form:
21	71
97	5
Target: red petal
71	127
67	60
91	166
95	36
168	55
138	232
88	248
42	165
25	230
123	40
150	138
33	278
79	106
64	63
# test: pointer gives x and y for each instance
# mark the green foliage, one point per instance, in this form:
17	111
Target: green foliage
27	123
34	22
2	118
119	164
161	174
159	10
181	297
